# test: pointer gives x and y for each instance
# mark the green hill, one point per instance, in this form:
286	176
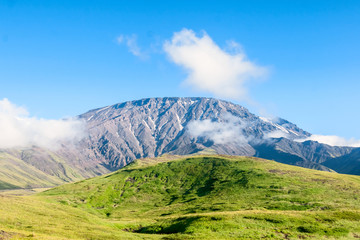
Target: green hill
198	197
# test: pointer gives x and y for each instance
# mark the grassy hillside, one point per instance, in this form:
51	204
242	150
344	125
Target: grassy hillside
201	197
35	168
34	218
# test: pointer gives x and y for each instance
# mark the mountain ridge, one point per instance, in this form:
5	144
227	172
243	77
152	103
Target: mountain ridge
198	108
144	123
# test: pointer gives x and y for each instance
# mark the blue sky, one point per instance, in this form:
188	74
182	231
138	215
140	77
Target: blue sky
62	58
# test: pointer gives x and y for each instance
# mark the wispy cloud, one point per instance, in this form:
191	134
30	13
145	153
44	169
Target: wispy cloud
131	42
210	68
276	134
227	131
18	129
332	140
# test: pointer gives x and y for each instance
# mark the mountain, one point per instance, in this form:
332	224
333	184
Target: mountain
308	154
348	163
121	133
192	197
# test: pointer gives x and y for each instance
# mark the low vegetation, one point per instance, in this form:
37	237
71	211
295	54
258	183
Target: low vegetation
198	197
17	170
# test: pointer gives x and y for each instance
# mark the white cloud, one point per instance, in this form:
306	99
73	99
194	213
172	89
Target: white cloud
210	68
332	140
18	129
276	134
228	131
131	42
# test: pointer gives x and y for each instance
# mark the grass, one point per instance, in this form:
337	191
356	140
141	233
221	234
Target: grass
18	173
198	197
34	218
38	168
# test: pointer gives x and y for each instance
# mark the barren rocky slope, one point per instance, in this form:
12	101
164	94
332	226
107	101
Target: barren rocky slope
120	133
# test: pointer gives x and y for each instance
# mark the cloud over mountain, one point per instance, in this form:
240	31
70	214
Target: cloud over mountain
332	140
18	129
227	131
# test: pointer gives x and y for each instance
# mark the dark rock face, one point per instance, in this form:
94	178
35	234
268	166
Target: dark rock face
348	163
123	132
307	154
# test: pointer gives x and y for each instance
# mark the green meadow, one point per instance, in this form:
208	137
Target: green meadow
194	197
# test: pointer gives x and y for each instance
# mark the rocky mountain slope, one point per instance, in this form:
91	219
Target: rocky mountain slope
348	163
120	133
123	132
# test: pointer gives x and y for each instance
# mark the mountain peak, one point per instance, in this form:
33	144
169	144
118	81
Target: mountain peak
151	127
